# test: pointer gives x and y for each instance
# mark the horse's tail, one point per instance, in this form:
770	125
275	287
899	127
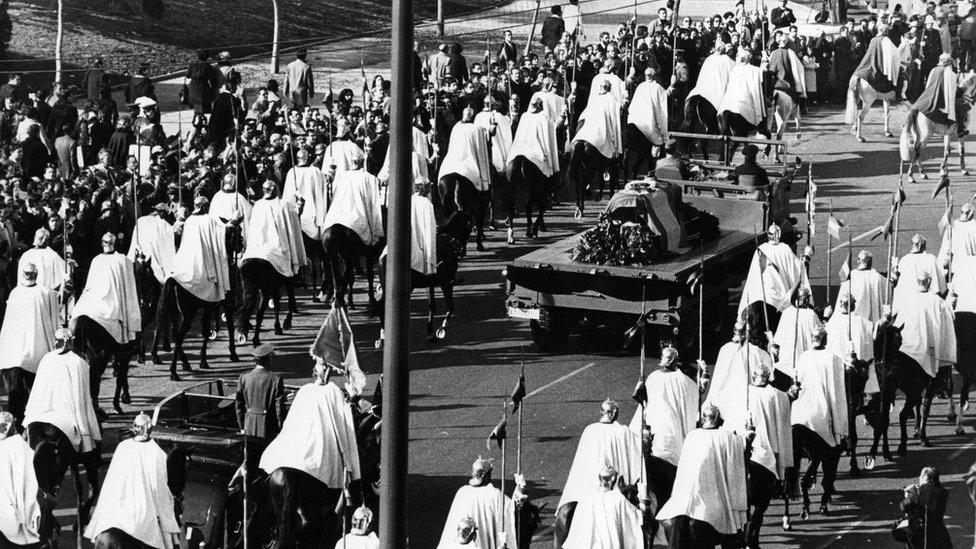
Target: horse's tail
908	142
854	101
167	300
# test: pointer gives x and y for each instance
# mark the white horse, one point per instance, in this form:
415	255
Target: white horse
860	98
919	128
781	111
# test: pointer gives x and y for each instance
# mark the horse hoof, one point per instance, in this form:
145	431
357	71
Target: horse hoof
951	418
378	344
126	399
804	514
204	365
241	339
174	377
166	347
157	361
870	463
578	214
278	331
889	134
926	443
213	335
234	357
271	304
431	338
480	247
286	324
888	457
861	139
799	136
100	414
118	409
823	510
255	342
315	298
902	451
963	172
855	471
441	333
960	431
924	175
786	524
141	360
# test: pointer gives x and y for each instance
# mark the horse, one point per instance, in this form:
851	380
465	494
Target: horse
344	249
897	372
563	520
638	151
965	326
700	117
177	463
462	208
917	130
526	175
262	283
860	98
148	289
93	343
735	125
783	108
586	165
448	255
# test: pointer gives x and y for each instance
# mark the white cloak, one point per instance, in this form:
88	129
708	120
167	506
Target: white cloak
61	396
355	541
928	334
869	290
467	155
730	380
822	404
963	235
891	60
535	139
344	155
110	297
423	231
793	336
356	205
421	143
20	514
770	412
481	503
318	437
501	141
783	271
744	93
155	238
649	111
50	267
28	327
910	267
670	413
605	520
603	444
275	235
200	265
618	89
710	485
600	125
135	496
418	166
859	338
713	79
309	184
227	206
553	105
964	284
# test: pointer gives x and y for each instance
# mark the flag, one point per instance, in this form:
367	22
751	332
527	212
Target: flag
635	330
946	220
901	194
943	184
811	197
765	261
834	226
378	392
695	281
498	434
518	394
336	346
640	392
845	269
889	224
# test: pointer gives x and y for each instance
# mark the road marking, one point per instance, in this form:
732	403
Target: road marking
843	533
961	451
857	238
560	380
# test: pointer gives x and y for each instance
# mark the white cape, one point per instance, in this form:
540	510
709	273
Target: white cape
155	238
356	205
605	520
730	380
773	446
423	230
670	413
553	105
418	168
110	297
344	155
501	140
822	404
135	496
467	155
481	504
50	267
603	444
28	327
318	437
274	235
20	514
308	183
744	94
859	337
200	265
713	79
649	112
928	334
227	206
355	541
793	336
783	271
869	290
964	284
913	265
618	89
61	396
535	139
963	236
710	485
600	125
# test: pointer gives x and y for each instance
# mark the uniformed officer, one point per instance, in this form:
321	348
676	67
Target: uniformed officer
261	398
750	173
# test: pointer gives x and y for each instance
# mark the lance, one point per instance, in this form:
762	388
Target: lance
518	446
830	209
501	495
362	69
674	39
244	484
535	21
701	322
179	155
762	283
948	200
850	283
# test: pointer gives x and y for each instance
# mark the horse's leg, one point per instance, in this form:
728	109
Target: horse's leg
961	150
926	409
886	108
903	416
178	338
292	303
946	151
259	318
855	469
79	497
205	315
431	312
561	524
276	306
859	120
950	387
229	311
121	371
885	424
448	290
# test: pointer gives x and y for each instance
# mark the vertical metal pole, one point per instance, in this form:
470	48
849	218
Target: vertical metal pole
396	375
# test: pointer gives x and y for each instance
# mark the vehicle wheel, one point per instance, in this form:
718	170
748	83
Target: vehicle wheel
550	330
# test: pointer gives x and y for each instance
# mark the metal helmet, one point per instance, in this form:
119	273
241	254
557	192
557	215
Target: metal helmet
142	425
362	518
609	410
607	476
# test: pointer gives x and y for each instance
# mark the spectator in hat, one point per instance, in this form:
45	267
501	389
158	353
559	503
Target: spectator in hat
36	156
224	67
299	86
140	85
96	79
750	173
202	81
260	399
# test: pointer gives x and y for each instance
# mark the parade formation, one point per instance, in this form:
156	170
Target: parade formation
128	241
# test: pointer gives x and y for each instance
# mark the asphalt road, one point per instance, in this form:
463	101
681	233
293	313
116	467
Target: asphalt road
458	385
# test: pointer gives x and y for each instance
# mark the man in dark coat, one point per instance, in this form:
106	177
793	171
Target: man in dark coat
36	155
95	80
843	63
782	16
63	113
260	399
750	173
932	103
201	81
140	85
227	117
925	506
553	28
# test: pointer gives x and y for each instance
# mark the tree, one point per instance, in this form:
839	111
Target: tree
6	27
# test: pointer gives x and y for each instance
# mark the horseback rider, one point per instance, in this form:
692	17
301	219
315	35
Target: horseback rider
154	241
21	517
743	97
50	267
867	287
343	153
605	518
961	234
787	71
708	505
798	323
274	234
912	265
480	500
928	332
138	467
467	158
938	101
647	120
109	297
200	264
356	205
852	338
713	80
774	273
230	205
360	536
27	335
536	142
731	377
306	189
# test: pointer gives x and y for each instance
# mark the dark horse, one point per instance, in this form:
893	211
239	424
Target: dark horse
262	282
93	343
528	179
586	165
445	277
177	463
735	125
700	117
148	289
344	250
966	361
462	207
